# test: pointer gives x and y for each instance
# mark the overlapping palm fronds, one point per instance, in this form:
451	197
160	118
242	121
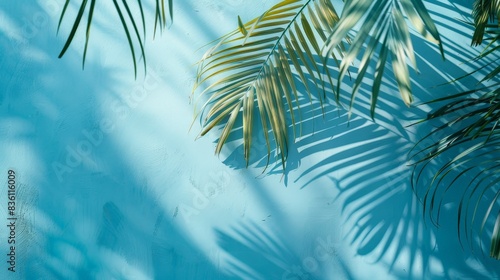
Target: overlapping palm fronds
469	142
263	60
258	68
128	21
382	26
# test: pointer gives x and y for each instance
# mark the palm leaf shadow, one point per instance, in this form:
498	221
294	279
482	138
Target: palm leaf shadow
383	218
256	253
367	163
86	224
457	162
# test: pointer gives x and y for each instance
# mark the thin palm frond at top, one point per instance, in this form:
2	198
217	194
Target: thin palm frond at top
258	69
383	34
131	25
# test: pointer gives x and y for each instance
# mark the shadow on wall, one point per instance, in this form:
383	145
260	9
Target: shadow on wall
367	162
257	254
90	216
99	216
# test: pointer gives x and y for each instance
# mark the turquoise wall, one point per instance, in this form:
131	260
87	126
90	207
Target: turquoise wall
111	183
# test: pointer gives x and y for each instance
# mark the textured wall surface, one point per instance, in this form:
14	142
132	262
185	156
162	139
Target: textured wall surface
111	184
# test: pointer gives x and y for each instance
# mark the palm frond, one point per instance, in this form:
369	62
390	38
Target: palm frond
483	12
382	26
260	67
160	14
491	49
469	142
128	21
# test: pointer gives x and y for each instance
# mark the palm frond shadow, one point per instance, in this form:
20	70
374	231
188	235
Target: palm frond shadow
383	218
456	163
313	106
465	174
86	226
257	254
368	163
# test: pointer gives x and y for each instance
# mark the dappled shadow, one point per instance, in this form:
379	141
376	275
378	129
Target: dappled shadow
367	162
255	254
375	190
287	238
86	209
391	113
118	211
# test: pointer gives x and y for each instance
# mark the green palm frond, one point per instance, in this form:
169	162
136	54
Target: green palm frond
160	14
260	66
382	25
492	48
469	142
127	19
484	12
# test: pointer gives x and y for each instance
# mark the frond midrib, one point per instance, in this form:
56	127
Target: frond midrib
276	45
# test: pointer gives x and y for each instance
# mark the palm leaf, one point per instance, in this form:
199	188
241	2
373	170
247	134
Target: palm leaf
483	12
470	140
127	20
160	14
266	60
492	47
382	28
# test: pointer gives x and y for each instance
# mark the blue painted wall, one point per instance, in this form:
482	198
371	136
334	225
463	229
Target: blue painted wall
111	183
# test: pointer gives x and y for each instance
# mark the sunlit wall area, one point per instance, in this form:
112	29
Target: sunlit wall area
112	180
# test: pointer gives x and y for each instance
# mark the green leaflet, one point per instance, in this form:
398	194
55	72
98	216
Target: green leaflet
383	31
265	60
127	20
469	142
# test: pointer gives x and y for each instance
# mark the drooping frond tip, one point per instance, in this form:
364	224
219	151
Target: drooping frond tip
128	20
